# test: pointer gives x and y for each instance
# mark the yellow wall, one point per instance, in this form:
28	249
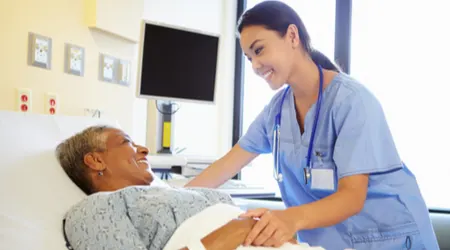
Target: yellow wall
203	129
64	22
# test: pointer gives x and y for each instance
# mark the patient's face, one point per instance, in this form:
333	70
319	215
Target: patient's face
126	163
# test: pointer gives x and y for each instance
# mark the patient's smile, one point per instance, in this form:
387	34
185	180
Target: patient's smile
142	161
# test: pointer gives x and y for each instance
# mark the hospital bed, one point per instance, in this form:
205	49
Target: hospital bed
35	192
235	188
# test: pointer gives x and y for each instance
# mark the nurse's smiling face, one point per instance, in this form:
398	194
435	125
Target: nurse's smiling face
272	56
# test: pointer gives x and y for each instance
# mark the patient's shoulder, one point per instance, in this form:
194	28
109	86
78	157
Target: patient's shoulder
213	195
95	203
101	220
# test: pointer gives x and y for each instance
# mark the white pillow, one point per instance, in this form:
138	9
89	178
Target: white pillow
35	192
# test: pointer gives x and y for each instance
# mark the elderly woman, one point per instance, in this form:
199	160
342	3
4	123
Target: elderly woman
124	209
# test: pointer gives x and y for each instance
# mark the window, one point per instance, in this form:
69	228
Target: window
400	51
319	19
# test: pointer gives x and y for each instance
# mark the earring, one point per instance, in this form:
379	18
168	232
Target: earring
100	173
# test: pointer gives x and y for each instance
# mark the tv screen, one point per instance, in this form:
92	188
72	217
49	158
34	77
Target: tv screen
177	64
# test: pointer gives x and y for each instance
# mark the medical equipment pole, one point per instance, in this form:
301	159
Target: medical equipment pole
166	125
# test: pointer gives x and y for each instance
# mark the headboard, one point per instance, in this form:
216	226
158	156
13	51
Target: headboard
34	190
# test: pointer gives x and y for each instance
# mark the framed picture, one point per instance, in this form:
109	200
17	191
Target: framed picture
39	51
74	60
107	68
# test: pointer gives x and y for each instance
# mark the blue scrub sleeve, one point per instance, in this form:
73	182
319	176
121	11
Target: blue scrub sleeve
256	140
364	143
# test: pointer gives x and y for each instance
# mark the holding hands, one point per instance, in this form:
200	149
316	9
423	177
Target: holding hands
273	229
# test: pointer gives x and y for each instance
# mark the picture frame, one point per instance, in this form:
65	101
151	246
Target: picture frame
74	59
107	68
39	51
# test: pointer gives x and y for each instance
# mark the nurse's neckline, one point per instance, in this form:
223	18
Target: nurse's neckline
325	89
332	80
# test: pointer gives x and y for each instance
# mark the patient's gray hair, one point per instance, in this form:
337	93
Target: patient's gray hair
70	154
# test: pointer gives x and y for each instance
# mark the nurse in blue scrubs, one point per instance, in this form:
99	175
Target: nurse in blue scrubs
339	172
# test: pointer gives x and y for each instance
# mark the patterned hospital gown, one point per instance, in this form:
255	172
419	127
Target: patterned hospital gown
135	217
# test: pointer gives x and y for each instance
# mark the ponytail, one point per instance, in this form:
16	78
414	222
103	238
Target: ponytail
320	59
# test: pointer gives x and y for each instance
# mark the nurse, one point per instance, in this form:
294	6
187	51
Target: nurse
339	172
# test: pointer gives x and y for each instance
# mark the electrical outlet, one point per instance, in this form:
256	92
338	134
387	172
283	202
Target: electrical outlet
24	100
51	104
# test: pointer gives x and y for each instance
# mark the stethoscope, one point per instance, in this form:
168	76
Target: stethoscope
276	134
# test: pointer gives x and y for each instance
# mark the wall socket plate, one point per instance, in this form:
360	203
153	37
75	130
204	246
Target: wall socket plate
74	60
51	103
107	68
24	100
39	51
123	72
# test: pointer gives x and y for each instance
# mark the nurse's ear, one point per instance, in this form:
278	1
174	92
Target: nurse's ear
292	36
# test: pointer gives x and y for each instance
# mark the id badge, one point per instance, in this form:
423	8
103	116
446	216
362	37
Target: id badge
322	179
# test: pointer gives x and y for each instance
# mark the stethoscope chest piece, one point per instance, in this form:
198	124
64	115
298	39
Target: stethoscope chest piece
280	177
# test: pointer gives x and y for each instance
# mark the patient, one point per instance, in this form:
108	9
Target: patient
125	209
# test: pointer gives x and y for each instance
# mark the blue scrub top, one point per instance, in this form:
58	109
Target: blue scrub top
352	137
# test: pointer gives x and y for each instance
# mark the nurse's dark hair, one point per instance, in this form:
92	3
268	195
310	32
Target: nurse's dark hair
277	16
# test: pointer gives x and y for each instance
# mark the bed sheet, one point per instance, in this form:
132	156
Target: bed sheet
205	222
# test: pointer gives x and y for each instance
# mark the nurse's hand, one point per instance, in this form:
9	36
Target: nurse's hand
273	229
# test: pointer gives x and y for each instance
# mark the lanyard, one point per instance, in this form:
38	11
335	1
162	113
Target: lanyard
316	118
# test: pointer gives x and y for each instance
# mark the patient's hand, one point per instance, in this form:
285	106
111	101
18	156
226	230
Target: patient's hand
229	236
273	229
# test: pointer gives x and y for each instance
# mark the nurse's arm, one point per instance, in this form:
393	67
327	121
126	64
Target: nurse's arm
347	201
223	169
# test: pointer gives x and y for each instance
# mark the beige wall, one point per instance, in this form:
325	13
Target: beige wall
203	129
64	22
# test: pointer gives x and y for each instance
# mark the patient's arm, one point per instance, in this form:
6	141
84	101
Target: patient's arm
229	236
